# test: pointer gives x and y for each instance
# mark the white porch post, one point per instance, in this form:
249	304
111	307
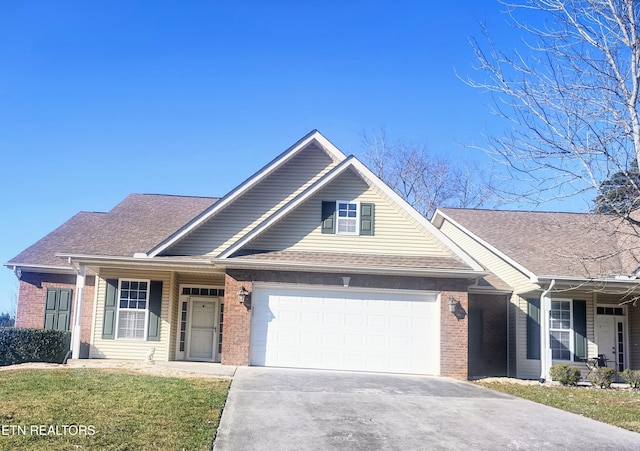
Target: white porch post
77	313
545	342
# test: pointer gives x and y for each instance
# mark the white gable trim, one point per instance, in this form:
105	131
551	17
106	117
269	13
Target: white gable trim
285	209
415	215
276	163
440	216
372	180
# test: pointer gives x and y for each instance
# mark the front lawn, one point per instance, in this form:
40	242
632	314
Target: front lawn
107	409
619	407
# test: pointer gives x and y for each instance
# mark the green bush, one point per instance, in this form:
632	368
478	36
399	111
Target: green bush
565	374
601	376
631	377
33	345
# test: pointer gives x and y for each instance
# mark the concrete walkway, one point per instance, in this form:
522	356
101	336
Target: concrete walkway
282	409
174	368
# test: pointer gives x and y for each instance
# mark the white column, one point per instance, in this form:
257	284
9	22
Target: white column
77	313
545	342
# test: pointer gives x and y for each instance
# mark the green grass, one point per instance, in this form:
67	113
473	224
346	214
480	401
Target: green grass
617	407
126	411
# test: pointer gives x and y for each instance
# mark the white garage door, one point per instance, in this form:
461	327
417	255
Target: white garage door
345	329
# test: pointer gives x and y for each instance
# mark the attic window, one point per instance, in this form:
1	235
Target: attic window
347	218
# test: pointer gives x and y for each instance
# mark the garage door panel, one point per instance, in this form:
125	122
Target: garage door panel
346	329
333	319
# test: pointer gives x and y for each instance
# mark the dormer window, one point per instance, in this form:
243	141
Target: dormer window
347	217
347	220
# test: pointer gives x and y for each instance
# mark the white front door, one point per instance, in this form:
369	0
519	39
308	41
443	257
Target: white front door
202	329
610	338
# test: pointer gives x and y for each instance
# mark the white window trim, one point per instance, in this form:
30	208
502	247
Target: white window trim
181	355
570	330
146	310
357	218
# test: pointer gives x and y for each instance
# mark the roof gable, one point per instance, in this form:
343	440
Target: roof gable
310	143
424	231
548	244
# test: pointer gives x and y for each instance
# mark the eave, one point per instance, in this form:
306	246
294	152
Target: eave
348	269
30	267
163	263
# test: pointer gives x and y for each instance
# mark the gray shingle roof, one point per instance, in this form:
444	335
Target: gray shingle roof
557	244
356	260
136	224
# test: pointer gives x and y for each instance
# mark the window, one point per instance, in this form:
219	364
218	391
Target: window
567	329
133	309
560	330
617	311
347	218
347	221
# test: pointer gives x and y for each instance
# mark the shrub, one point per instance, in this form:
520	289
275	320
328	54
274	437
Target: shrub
631	377
601	376
33	345
565	374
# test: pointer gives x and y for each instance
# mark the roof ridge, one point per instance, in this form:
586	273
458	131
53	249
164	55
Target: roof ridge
511	210
177	195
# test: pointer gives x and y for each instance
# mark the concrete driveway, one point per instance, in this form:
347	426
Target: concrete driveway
284	409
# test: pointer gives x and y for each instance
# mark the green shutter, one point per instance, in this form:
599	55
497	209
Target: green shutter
110	309
51	308
155	307
57	308
64	308
580	330
533	329
367	215
328	217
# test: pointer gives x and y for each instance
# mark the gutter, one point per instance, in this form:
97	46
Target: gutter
18	268
168	262
545	349
331	268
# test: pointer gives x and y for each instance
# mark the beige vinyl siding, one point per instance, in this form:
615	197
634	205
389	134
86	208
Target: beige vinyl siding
530	369
131	349
516	279
216	280
526	368
394	234
246	212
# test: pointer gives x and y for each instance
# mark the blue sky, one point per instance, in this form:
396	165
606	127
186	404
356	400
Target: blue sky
101	99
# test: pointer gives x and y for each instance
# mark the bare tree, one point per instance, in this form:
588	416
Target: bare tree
423	179
570	93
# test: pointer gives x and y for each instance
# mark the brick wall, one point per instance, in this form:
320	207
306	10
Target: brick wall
454	336
237	322
32	296
488	358
454	333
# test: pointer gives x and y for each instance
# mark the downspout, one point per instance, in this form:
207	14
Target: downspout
545	349
77	310
17	272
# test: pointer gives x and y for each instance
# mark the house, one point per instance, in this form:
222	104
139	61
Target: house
562	288
312	262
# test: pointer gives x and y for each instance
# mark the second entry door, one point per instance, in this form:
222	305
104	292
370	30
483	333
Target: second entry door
203	331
